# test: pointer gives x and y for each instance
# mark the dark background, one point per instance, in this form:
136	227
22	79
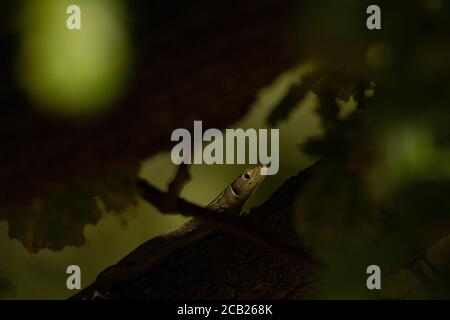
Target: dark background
85	113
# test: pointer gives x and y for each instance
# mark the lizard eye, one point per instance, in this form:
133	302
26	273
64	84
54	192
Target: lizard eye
247	176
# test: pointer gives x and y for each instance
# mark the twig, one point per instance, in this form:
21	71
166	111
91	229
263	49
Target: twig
181	178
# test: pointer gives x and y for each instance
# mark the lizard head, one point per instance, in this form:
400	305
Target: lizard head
244	186
236	194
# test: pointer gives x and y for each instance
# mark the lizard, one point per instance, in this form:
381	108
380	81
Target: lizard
230	201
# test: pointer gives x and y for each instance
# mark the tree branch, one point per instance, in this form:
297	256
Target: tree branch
238	260
232	225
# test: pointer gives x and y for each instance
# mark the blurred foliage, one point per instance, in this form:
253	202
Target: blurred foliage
74	72
381	194
331	86
57	219
383	97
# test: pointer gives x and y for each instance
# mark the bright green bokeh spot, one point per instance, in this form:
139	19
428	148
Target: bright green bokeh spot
410	152
74	72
